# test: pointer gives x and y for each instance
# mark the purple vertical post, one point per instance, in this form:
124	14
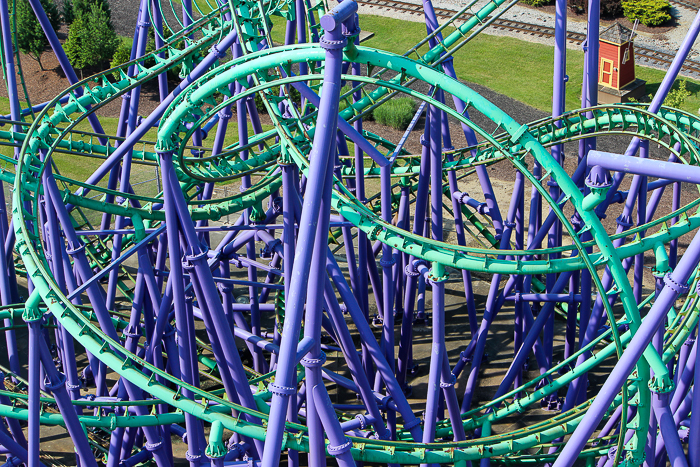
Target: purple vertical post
334	42
33	319
675	284
6	263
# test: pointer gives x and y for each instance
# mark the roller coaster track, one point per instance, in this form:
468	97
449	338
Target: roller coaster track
262	72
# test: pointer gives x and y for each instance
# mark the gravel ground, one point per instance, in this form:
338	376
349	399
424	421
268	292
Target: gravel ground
125	15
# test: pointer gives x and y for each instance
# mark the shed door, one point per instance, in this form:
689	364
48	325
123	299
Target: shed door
606	71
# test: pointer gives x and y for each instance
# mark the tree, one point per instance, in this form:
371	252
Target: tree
30	38
91	39
608	8
73	9
67	12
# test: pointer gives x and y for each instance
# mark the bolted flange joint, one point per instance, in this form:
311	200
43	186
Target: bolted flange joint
624	221
131	331
193	457
634	457
408	426
328	44
154	446
74	249
677	287
363	421
661	385
217	53
52	386
215	451
450	383
284	391
31	311
339	449
314	362
438	274
412	267
410	270
193	258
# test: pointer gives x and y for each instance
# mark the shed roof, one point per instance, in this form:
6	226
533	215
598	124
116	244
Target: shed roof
617	34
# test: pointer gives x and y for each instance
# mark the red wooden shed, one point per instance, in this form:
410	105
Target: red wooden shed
616	68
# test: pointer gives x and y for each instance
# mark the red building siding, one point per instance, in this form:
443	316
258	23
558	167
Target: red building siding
626	67
610	52
622	59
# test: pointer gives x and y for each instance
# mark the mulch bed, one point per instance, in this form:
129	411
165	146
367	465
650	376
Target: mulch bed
606	22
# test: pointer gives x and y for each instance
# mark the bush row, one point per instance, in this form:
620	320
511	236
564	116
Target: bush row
648	12
91	42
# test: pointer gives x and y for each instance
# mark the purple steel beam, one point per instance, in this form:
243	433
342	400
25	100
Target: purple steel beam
674	285
643	166
311	216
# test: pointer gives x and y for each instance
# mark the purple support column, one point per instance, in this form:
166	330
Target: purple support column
34	427
362	292
56	384
387	262
6	293
311	214
675	283
469	135
313	361
406	342
669	431
186	345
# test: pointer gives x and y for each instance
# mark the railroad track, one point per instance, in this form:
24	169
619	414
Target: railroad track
655	57
687	5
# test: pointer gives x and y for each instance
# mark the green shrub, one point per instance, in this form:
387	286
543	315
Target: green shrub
91	39
30	38
608	8
123	52
67	12
74	8
396	113
611	8
537	3
648	12
676	97
121	56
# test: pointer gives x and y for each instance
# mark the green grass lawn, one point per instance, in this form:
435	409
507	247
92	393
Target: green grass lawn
80	168
519	69
516	68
